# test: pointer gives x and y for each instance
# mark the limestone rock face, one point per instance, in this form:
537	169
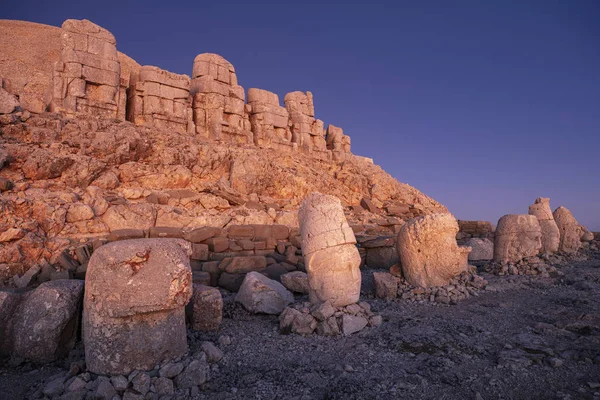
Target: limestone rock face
46	321
570	230
330	255
428	251
550	233
259	294
517	236
482	249
134	316
586	235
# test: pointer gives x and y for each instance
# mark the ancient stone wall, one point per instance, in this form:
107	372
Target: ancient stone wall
211	104
474	229
218	101
87	78
160	98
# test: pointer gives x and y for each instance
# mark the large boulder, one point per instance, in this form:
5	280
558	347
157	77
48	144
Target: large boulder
517	236
259	294
428	251
329	249
45	323
481	249
570	230
550	233
134	316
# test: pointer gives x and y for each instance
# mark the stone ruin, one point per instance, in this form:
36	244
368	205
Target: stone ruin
550	233
87	79
161	99
210	104
334	278
428	251
570	230
136	289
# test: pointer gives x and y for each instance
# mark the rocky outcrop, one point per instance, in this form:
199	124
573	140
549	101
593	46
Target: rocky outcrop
328	246
134	317
550	233
429	254
570	230
517	236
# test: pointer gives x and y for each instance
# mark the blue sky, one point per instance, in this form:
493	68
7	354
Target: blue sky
483	105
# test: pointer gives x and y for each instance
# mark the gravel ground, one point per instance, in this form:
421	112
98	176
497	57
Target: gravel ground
522	338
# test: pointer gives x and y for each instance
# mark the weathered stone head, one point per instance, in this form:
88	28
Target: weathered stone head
135	295
550	233
328	246
570	230
517	236
428	250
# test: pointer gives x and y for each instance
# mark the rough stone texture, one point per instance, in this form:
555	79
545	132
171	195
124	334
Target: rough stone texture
87	78
517	236
269	121
218	101
570	230
259	294
482	249
337	142
296	281
8	102
206	308
33	49
9	300
550	233
306	131
45	323
160	98
386	285
428	251
134	318
330	255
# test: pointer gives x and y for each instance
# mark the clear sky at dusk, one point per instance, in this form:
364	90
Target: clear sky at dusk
483	105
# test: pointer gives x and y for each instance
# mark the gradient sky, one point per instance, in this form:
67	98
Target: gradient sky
483	104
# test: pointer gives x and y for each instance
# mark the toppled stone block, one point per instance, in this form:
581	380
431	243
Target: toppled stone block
125	234
429	254
328	246
386	285
46	321
259	294
517	236
135	289
550	233
206	308
296	281
570	230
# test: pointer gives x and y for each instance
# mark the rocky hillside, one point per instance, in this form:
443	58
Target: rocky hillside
67	180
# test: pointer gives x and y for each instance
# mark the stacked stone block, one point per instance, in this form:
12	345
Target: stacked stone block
269	121
337	142
160	98
474	229
218	101
307	131
87	77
